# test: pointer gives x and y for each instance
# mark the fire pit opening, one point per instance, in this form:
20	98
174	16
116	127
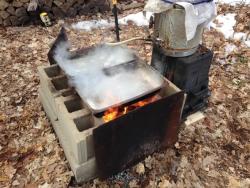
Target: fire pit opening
117	111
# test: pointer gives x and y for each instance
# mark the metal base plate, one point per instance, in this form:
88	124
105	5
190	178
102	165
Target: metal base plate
180	53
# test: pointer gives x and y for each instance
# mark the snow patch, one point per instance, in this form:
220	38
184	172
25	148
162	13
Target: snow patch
233	2
92	24
225	26
229	48
138	19
247	43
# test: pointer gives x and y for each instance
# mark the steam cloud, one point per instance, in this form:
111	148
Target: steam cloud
101	89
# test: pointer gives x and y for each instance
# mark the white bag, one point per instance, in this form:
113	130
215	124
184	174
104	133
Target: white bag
195	15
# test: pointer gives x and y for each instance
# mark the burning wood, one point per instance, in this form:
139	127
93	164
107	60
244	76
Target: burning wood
115	112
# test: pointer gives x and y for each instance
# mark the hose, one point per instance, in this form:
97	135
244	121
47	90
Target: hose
194	3
126	41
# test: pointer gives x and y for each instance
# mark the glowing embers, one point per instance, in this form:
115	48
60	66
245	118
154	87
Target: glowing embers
115	112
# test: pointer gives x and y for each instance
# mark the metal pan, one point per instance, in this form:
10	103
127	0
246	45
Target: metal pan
140	72
149	76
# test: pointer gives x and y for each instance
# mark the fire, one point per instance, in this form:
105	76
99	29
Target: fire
115	112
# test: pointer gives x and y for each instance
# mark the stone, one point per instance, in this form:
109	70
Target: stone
71	12
25	1
46	9
17	4
81	2
3	4
11	10
21	12
4	14
104	8
140	169
32	6
58	3
84	10
1	21
14	21
24	19
77	6
6	22
58	13
68	5
48	3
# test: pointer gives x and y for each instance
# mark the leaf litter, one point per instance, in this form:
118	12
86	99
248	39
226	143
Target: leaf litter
210	153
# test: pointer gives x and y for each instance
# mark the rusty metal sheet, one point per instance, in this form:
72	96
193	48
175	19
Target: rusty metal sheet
124	141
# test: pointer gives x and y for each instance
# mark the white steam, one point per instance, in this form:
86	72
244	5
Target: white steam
100	81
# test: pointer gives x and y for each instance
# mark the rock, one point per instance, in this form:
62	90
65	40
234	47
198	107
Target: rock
17	4
164	184
24	19
4	14
24	1
80	2
77	6
133	184
11	10
149	162
14	21
3	5
58	13
21	12
48	3
233	183
132	6
46	9
59	3
98	6
6	22
32	6
71	12
84	10
103	8
1	21
140	169
68	5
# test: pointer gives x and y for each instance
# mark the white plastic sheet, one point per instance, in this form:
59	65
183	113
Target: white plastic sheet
195	15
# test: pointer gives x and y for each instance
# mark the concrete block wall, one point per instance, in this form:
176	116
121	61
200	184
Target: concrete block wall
71	120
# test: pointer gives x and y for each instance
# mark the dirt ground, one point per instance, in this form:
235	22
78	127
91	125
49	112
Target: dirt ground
212	153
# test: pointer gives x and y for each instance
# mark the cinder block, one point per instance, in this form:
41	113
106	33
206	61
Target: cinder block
53	83
51	114
82	172
75	119
77	124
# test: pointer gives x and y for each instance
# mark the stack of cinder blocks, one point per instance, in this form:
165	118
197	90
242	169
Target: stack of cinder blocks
71	120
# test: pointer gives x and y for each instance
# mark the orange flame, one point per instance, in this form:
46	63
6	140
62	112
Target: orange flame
115	112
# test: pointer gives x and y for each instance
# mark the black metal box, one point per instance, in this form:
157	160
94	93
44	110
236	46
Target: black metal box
188	73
